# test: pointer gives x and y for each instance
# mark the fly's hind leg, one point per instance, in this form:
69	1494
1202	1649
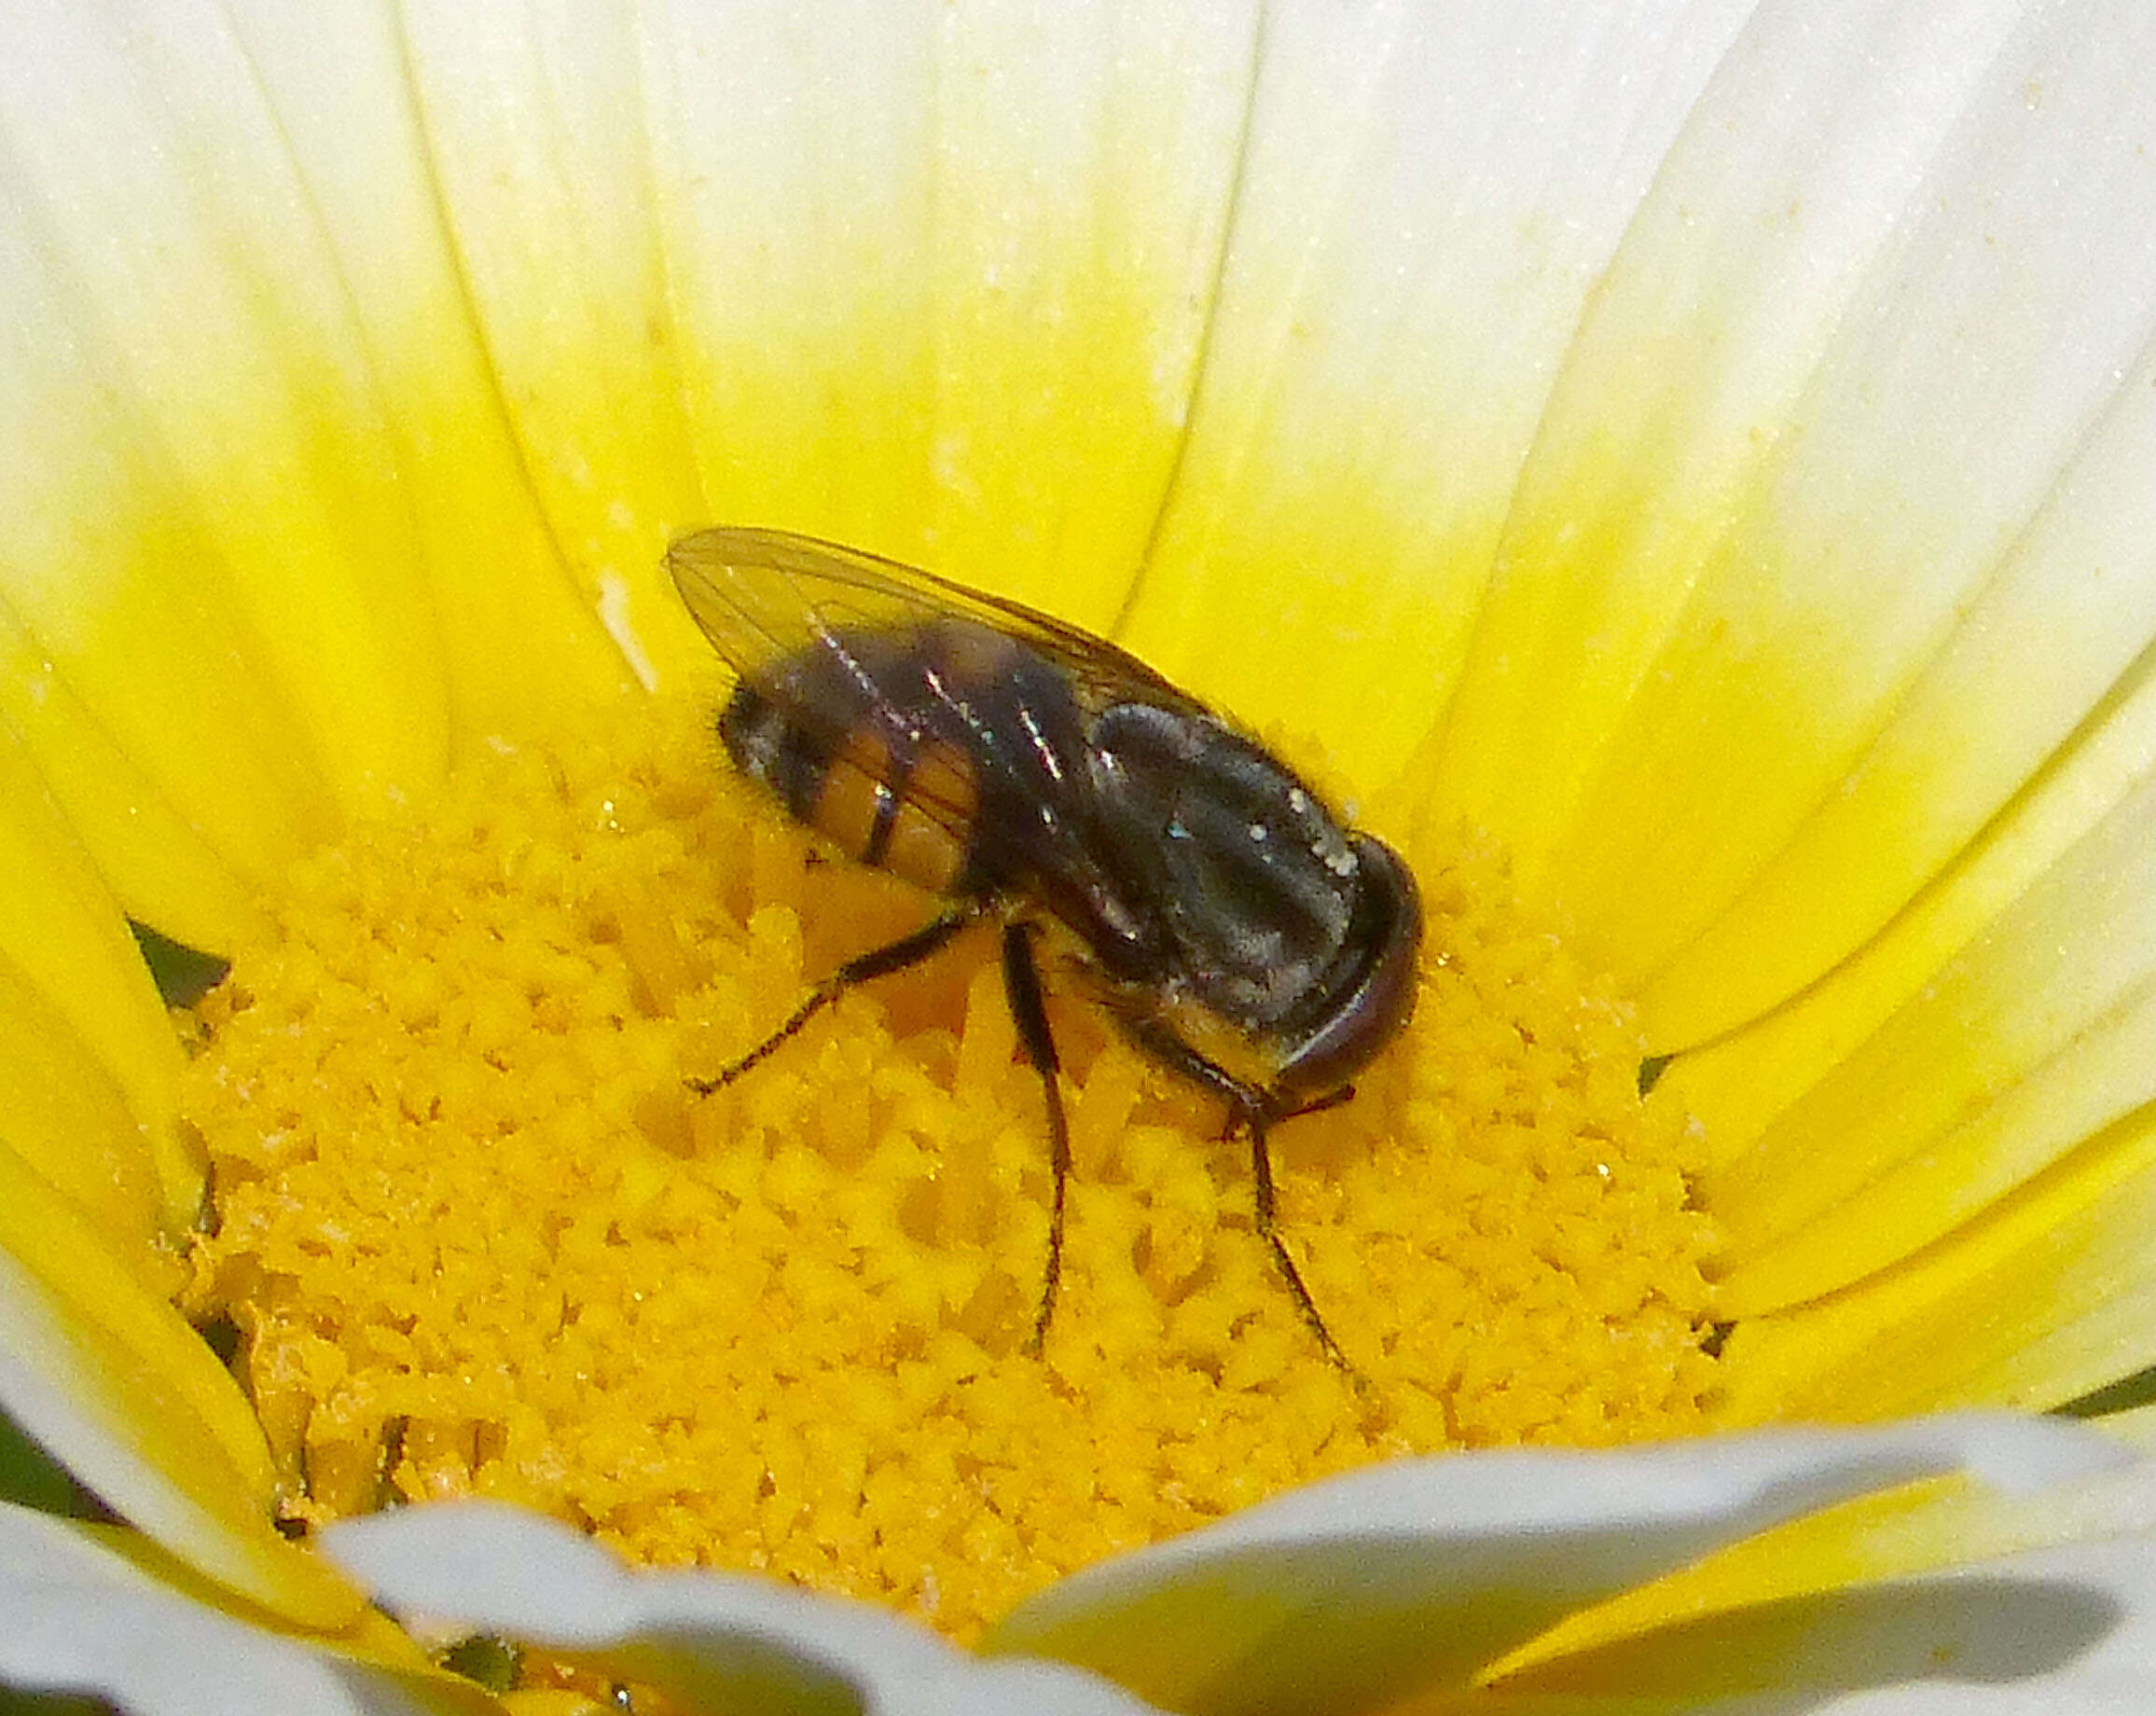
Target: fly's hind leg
1022	988
906	951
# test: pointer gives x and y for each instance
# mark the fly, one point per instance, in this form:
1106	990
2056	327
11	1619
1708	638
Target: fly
1231	925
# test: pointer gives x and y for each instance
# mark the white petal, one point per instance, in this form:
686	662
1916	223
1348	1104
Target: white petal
1419	1573
81	1619
712	1639
1893	282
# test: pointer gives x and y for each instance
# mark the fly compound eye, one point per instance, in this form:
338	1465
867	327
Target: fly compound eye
1374	994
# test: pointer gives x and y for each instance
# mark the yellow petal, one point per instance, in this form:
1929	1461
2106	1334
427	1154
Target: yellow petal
2037	1036
2045	1297
111	1378
157	865
1742	1084
62	1114
63	940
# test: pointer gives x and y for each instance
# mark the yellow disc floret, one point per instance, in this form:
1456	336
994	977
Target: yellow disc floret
479	1237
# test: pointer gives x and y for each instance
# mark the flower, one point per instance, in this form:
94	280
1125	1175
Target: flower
1700	448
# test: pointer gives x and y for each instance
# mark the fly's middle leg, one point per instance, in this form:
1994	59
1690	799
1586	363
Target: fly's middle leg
1022	986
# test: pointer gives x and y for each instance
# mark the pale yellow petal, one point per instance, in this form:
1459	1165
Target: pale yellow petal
64	942
2034	673
1758	512
1068	327
533	123
219	334
1927	1527
126	666
929	281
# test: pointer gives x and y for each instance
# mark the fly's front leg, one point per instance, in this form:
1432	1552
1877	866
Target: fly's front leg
1022	988
1317	1105
1269	1230
1252	1111
906	951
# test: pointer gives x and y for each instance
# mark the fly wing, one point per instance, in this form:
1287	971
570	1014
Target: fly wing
851	651
762	595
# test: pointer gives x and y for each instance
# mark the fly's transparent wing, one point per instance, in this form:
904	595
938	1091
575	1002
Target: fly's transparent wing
898	682
763	596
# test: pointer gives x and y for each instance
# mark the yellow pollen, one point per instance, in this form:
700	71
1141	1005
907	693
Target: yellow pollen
478	1237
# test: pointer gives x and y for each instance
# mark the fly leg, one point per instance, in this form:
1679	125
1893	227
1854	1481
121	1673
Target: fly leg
1022	988
1317	1105
1251	1109
1269	1230
908	950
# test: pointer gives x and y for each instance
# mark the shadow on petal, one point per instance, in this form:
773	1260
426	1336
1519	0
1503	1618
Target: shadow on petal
1982	1631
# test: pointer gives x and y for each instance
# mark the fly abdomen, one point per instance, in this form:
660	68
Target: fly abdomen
768	746
901	807
865	772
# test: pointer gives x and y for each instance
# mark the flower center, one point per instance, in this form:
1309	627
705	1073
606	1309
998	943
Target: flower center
480	1238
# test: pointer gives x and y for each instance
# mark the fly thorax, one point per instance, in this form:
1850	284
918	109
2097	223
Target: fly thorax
1254	881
